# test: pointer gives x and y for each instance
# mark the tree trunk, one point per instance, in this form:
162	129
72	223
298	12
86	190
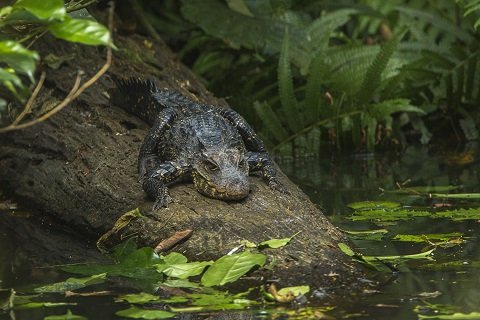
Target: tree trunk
80	168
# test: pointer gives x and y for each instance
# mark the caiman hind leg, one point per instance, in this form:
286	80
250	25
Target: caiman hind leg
155	184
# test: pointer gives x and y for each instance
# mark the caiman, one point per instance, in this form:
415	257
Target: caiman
211	145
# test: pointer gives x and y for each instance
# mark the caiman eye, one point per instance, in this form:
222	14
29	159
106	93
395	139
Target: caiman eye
211	166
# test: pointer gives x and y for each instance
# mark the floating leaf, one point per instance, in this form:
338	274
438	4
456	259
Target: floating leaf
81	30
138	313
373	205
432	237
138	298
384	215
72	284
231	268
459	214
453	316
45	10
367	234
456	195
68	316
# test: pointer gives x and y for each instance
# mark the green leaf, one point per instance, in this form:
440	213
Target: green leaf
174	258
231	268
186	270
453	316
430	237
296	291
138	298
346	249
72	284
286	90
388	107
45	10
367	234
18	57
361	205
456	195
138	313
68	316
276	243
82	31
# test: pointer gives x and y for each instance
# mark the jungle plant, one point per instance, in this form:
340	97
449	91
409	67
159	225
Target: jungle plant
349	73
21	24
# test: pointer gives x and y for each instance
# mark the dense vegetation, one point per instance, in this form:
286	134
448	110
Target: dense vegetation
307	74
350	73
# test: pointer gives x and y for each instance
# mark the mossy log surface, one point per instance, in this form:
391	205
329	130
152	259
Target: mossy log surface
79	167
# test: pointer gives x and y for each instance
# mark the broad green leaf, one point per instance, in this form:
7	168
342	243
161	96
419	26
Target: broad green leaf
180	283
134	263
276	243
138	298
9	76
186	270
138	313
18	57
68	316
231	268
72	284
81	30
45	9
174	258
373	205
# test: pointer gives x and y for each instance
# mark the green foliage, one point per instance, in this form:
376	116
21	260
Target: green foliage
347	74
34	18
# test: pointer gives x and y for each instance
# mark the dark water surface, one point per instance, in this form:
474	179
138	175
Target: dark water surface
448	283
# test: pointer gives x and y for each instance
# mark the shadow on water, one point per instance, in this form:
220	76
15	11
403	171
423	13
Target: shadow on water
446	284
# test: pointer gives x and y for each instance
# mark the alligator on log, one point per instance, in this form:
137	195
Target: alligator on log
80	168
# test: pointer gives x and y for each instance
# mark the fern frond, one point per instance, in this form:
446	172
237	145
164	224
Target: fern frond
289	104
372	80
271	122
319	70
386	108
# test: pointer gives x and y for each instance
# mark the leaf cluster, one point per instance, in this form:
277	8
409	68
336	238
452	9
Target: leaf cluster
26	20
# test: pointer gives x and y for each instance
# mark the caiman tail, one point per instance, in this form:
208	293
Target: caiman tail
143	99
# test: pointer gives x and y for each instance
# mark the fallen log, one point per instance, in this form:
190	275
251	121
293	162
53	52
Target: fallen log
79	167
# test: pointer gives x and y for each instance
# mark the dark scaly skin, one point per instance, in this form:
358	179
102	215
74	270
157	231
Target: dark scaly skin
214	147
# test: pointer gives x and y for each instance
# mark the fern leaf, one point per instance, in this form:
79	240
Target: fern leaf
319	69
271	122
372	80
386	108
286	91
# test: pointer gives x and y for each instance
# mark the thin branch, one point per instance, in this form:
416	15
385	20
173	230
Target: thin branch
28	105
76	89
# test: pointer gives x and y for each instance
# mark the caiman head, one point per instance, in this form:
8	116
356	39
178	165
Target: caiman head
221	174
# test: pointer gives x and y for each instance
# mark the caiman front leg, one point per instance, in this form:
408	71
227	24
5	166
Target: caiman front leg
155	184
153	173
260	161
257	156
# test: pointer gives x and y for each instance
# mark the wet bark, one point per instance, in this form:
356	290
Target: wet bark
79	167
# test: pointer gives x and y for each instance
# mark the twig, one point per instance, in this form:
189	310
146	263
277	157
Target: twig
28	105
74	92
80	5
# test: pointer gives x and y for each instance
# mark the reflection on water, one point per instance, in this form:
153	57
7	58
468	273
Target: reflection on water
449	283
333	183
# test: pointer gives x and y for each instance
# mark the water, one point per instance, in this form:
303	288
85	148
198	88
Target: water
406	290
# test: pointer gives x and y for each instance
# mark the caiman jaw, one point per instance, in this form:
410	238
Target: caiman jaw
236	190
